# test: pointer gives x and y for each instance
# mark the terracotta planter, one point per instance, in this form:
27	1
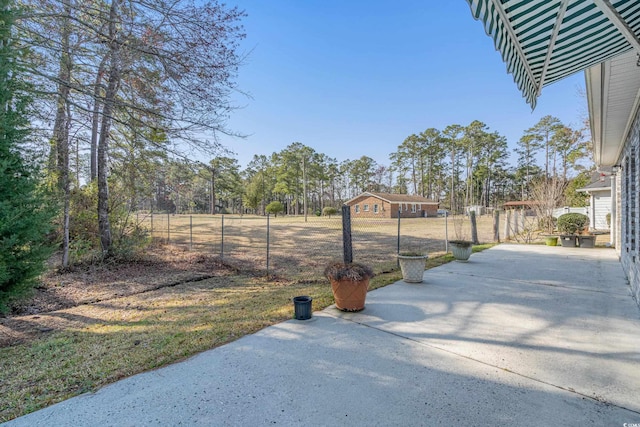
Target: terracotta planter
350	295
412	267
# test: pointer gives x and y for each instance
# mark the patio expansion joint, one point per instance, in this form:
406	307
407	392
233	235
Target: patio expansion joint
503	369
537	283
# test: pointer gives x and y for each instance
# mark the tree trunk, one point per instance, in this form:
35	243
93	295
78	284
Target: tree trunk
104	225
95	120
61	130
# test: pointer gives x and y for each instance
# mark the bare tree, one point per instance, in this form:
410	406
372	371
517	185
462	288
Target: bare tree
175	61
548	194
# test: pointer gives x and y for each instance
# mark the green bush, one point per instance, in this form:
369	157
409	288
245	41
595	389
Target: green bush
329	210
572	223
129	239
274	208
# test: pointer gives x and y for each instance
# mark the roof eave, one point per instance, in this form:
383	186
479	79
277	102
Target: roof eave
613	96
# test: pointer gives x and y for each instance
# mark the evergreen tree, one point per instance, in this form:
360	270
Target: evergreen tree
24	221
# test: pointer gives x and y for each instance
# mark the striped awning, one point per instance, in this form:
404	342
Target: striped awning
542	41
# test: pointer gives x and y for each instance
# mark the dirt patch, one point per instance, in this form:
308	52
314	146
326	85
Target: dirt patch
70	299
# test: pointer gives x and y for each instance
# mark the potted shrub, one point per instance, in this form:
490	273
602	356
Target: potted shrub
569	225
461	247
349	283
586	239
412	264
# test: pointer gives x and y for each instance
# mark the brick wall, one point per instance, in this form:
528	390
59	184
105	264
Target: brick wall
629	213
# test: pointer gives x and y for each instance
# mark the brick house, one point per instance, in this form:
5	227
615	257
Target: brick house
387	205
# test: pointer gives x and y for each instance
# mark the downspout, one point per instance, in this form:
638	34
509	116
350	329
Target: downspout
613	229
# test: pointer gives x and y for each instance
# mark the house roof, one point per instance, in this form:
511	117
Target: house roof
394	198
597	185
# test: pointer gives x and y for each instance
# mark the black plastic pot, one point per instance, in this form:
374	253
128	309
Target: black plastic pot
302	307
568	240
586	241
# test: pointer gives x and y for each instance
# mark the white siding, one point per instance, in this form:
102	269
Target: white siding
601	207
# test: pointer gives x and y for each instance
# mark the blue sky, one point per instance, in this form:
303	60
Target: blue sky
354	78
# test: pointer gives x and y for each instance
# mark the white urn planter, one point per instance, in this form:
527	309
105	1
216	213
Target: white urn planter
412	267
461	250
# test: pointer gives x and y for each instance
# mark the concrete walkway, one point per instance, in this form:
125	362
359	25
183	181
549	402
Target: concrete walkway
519	336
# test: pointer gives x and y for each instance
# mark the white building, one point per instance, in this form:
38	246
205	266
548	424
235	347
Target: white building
600	205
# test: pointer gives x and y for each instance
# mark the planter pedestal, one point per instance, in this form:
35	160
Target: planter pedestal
412	267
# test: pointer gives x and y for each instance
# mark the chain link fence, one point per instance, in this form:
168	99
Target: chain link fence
299	248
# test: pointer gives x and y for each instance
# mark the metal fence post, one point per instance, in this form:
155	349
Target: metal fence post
222	236
398	240
190	232
168	229
446	232
346	235
152	225
268	229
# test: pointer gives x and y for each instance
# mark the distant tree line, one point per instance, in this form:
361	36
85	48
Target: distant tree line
458	166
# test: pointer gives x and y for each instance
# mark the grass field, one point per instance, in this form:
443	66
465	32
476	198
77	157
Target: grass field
80	348
288	246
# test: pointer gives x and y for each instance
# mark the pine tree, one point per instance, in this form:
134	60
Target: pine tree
24	219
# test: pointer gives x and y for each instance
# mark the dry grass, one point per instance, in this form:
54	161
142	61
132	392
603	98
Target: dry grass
95	325
80	348
299	249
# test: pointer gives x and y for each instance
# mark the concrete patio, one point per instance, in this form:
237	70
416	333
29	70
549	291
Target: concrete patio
519	336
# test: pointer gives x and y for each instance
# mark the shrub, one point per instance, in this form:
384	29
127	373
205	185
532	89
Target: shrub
572	223
354	272
329	210
274	208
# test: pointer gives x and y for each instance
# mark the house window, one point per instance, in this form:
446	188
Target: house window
366	208
413	208
375	208
357	208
